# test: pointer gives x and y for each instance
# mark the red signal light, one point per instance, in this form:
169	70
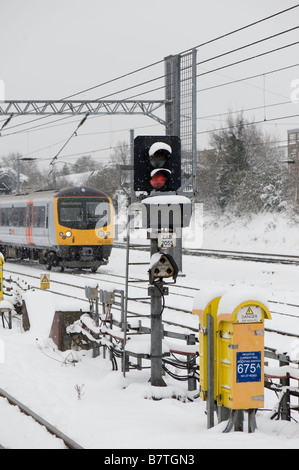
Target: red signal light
158	180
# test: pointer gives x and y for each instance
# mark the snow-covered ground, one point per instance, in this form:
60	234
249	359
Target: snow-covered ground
119	413
264	233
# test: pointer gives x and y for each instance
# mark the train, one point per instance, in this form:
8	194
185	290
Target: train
67	228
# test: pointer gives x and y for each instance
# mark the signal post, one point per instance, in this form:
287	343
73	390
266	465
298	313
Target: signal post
157	171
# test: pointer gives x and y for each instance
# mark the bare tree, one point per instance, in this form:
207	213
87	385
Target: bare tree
248	174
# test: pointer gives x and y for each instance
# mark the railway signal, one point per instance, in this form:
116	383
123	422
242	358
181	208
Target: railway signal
157	163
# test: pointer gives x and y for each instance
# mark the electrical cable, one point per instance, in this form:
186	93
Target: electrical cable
248	58
251	123
238	111
6	122
187	50
247	45
74	133
212	58
156	283
183	52
247	78
242	28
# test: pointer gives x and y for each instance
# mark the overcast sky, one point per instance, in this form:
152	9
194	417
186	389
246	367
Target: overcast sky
51	49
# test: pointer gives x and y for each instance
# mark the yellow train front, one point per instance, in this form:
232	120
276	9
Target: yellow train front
72	227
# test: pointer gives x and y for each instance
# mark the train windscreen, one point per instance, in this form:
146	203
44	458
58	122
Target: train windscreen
84	213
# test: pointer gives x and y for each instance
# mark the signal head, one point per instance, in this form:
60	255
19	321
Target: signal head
157	163
159	153
162	265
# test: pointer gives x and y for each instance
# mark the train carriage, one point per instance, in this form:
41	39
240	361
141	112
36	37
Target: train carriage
71	227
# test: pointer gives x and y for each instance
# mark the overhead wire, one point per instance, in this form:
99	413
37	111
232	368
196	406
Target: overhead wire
205	89
250	77
254	43
183	52
187	50
201	74
277	118
67	141
248	58
242	28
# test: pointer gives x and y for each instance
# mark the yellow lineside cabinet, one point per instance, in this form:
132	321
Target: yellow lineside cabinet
206	303
240	349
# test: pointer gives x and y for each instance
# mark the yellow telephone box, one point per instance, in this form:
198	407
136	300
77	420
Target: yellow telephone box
240	345
206	303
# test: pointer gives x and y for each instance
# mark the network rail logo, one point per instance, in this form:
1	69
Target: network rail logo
2	90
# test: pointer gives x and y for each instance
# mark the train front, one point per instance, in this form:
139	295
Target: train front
84	228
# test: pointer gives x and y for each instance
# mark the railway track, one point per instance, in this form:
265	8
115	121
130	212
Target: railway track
187	293
68	442
230	254
72	286
114	280
245	256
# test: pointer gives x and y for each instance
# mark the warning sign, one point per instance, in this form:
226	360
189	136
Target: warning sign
45	281
251	314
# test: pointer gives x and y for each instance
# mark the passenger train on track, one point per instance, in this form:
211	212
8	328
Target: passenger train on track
71	227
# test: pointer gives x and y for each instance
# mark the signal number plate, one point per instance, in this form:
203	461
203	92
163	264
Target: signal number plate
167	240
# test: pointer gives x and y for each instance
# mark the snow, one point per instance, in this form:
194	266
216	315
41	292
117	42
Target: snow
159	146
282	372
263	233
6	305
237	295
115	412
202	299
155	258
167	199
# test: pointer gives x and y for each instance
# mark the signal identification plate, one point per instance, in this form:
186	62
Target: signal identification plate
167	240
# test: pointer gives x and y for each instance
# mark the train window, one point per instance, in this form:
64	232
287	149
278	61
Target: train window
13	216
18	216
39	216
70	211
9	216
4	216
101	213
21	216
84	213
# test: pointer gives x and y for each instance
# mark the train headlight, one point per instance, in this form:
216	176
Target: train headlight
68	233
101	233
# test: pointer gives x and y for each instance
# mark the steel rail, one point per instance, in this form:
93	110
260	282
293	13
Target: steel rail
145	301
238	255
175	286
115	306
70	443
245	256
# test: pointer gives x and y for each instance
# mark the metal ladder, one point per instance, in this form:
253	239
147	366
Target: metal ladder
127	281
